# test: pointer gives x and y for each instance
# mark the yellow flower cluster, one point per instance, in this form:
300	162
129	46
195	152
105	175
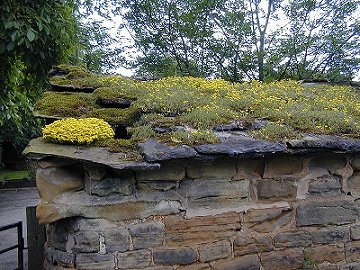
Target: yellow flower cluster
77	131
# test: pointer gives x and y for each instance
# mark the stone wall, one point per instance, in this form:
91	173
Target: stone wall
276	212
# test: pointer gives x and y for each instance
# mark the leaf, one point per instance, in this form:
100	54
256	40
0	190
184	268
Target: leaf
10	46
30	35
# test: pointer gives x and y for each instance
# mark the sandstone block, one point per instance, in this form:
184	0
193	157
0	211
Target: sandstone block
59	233
283	165
147	235
107	186
117	240
245	244
355	232
214	251
325	212
94	172
325	185
267	220
331	162
196	266
325	236
168	171
95	261
86	241
60	258
329	253
181	256
197	230
283	260
352	251
47	213
353	183
53	181
55	162
276	188
355	162
85	224
219	169
292	239
150	186
248	262
134	259
249	169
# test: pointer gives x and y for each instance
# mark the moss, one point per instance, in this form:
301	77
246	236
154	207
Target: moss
276	132
116	116
190	138
15	175
64	104
122	146
115	93
142	132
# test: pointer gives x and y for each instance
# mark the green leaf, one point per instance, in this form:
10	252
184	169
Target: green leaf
30	35
10	46
8	25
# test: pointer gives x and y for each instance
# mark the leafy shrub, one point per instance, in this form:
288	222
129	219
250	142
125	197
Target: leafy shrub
78	131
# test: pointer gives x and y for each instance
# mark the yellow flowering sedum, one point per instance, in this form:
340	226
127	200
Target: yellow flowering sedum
77	131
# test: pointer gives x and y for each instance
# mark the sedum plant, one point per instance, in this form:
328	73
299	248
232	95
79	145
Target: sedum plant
78	131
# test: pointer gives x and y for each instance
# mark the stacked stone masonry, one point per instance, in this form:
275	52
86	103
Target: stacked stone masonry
275	212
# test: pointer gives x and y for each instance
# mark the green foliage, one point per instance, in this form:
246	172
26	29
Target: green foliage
276	132
197	137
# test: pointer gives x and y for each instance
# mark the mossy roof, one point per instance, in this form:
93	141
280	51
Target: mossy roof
194	111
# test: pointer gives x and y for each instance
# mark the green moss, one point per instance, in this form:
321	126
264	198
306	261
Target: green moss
64	104
276	132
115	93
190	138
142	132
15	175
116	116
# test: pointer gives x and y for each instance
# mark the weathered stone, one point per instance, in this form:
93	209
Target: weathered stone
330	162
240	147
248	262
107	186
181	256
196	266
55	162
353	183
330	253
352	251
283	260
355	232
168	171
95	261
60	258
38	148
325	236
276	188
117	239
215	193
325	212
95	173
283	165
219	169
134	259
249	169
214	251
47	213
292	239
58	235
325	185
244	244
349	266
156	151
147	235
53	181
267	220
86	241
86	224
162	267
197	230
149	186
355	162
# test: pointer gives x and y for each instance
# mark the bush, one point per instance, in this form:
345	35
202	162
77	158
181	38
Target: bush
78	131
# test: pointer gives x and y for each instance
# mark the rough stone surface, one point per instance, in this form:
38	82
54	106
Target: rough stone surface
117	240
134	259
53	181
249	169
283	260
283	165
352	251
330	162
220	169
155	151
107	186
267	220
168	171
147	235
325	236
355	232
276	188
325	185
355	162
292	239
86	241
239	147
325	212
214	251
60	258
245	244
354	183
248	262
197	230
329	253
181	256
94	261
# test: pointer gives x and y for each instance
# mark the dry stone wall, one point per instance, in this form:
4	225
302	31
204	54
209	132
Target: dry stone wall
275	212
